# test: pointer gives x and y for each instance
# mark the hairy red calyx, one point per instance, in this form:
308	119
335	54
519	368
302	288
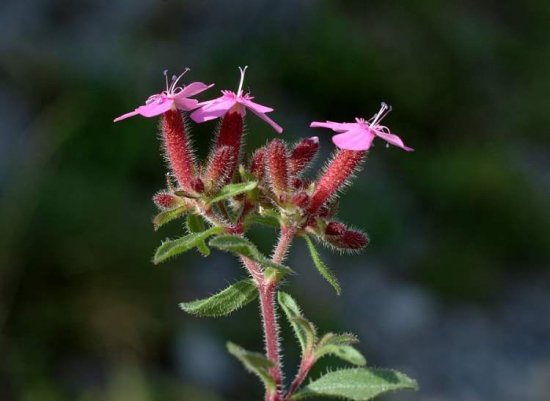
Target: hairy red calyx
277	166
230	135
302	154
220	168
338	171
177	148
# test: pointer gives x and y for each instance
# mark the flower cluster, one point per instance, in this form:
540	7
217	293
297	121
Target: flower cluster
278	170
224	195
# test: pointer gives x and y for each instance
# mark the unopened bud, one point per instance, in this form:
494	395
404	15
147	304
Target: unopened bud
353	240
339	169
220	168
300	200
277	166
165	200
302	154
335	228
257	165
197	185
177	148
297	183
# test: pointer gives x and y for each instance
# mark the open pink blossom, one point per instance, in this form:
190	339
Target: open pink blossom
360	134
231	101
173	98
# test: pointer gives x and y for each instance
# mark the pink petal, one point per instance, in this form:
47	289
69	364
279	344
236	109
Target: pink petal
393	139
268	120
185	104
125	116
255	106
212	109
355	139
193	88
155	108
338	127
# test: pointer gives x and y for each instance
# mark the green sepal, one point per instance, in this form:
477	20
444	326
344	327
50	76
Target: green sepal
255	363
176	246
321	267
224	302
303	329
232	190
195	224
359	384
167	216
242	246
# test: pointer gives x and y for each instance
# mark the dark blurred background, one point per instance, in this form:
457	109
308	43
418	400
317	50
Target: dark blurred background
453	289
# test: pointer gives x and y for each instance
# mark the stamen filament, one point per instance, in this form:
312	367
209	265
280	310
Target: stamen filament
175	81
243	70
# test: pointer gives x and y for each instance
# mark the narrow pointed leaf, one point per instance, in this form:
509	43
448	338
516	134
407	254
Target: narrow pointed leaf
321	267
360	384
195	224
224	302
303	329
242	246
167	216
255	363
176	246
344	352
338	339
231	190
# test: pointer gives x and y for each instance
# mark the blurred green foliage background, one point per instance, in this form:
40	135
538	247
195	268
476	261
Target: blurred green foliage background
453	289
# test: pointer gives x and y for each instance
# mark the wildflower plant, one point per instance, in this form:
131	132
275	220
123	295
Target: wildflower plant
222	197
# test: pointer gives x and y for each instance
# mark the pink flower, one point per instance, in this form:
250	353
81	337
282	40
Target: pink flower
233	102
360	134
173	98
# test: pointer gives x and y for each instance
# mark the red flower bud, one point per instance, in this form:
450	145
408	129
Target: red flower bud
165	200
257	165
219	169
302	154
335	228
300	200
230	134
353	240
339	169
177	148
277	166
197	185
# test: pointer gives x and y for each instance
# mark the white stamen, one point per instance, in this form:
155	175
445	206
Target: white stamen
383	112
176	79
243	70
165	72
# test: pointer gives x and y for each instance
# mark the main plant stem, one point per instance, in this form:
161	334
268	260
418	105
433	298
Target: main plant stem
267	286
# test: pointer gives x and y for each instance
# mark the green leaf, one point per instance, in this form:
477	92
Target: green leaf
231	190
323	269
195	224
303	329
168	215
224	302
255	363
338	339
360	384
270	221
174	247
242	246
345	352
